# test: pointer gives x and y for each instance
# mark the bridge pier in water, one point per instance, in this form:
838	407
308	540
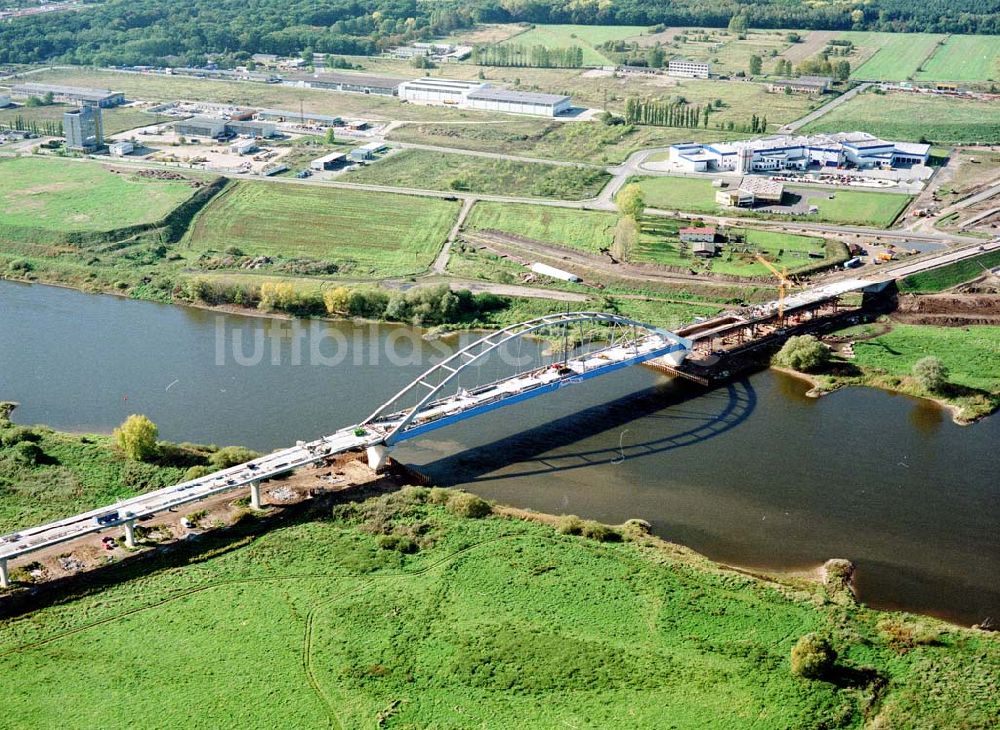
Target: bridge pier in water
4	577
130	533
255	502
378	456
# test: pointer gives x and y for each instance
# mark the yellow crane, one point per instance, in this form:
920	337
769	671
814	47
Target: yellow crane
784	284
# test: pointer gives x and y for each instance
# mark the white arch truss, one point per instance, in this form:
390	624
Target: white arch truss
392	420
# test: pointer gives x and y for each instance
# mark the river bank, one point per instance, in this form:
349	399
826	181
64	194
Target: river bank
431	606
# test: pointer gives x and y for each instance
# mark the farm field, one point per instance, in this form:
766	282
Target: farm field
584	36
364	234
964	58
696	195
498	622
444	171
65	196
914	116
898	56
583	229
971	354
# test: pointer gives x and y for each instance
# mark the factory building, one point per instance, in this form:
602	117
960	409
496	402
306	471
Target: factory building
787	152
750	192
219	128
84	128
328	162
688	69
478	95
518	102
802	85
429	90
366	152
70	94
120	149
354	83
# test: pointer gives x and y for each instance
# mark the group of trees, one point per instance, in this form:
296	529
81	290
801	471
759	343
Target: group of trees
131	32
659	113
821	65
537	56
48	128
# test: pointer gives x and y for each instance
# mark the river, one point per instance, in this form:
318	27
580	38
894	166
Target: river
755	474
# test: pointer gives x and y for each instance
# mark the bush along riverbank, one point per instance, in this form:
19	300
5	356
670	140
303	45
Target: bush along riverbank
956	367
415	606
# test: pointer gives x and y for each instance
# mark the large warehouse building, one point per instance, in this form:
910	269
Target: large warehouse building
216	128
355	83
785	152
70	94
519	102
479	95
689	69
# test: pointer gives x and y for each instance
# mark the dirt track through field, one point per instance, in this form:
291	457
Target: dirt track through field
813	43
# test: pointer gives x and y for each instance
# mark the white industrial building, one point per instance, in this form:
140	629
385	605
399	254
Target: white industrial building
688	69
430	90
328	162
519	102
479	95
120	149
788	152
243	147
366	151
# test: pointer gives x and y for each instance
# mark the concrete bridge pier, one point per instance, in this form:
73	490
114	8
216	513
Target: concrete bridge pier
378	456
255	502
130	533
4	577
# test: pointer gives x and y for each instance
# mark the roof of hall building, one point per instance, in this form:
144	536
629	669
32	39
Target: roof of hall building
523	97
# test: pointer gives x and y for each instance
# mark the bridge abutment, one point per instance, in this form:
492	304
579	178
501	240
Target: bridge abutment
4	577
130	533
255	501
378	456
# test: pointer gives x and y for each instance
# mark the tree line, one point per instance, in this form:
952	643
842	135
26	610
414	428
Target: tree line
518	54
46	128
184	32
660	113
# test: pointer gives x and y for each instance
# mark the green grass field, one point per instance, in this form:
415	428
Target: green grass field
964	58
899	55
696	195
366	234
114	120
493	622
971	354
587	230
444	171
584	36
64	196
951	275
913	117
659	243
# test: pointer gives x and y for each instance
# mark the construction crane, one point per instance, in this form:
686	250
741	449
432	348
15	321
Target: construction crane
784	284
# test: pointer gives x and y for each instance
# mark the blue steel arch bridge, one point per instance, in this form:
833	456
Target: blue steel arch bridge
582	346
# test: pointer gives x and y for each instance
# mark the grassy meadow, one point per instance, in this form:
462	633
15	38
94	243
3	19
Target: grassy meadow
493	622
583	229
964	58
584	36
445	171
945	277
63	196
365	234
836	205
914	117
971	354
898	56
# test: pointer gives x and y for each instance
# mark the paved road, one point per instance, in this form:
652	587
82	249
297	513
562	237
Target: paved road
990	192
826	108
